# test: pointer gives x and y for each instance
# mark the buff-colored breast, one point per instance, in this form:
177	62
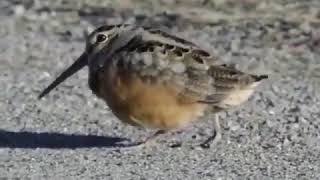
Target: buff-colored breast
144	103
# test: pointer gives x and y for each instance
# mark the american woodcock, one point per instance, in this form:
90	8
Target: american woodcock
153	79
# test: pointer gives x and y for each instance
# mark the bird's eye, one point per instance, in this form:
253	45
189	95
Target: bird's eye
100	38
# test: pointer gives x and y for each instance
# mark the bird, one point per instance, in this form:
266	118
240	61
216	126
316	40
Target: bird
153	79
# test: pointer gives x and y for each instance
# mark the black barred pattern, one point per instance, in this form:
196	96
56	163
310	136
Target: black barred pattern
109	27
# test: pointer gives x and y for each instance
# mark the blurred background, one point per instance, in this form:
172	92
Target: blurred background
71	134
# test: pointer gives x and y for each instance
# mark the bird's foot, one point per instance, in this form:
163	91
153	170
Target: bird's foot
211	141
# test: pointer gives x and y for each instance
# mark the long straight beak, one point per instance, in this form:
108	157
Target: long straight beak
75	67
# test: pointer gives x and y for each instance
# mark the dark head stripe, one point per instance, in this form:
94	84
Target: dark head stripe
109	27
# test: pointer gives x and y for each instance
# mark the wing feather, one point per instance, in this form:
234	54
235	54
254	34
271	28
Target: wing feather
187	68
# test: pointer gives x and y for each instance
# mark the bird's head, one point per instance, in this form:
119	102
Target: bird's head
97	44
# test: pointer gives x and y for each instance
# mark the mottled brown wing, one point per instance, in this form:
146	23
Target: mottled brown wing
227	81
185	68
188	69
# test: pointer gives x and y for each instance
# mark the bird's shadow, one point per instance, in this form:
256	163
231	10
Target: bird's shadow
10	139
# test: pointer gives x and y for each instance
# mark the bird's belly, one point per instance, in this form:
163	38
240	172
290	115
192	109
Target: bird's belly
163	115
148	104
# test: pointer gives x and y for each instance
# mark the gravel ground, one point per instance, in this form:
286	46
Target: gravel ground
71	134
